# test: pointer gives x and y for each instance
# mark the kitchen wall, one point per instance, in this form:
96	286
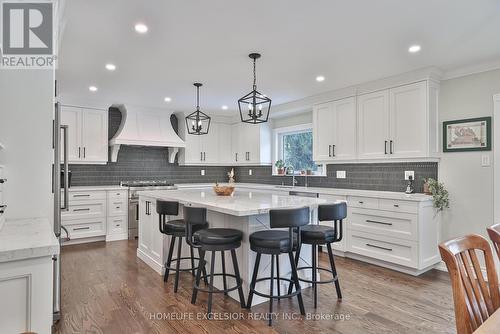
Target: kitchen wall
470	185
381	176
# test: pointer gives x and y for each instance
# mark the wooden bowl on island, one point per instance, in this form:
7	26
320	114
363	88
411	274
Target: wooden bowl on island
223	190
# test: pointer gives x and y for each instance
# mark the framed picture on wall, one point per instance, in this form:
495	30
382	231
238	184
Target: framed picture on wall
473	134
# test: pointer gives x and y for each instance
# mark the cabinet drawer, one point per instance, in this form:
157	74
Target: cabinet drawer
383	248
117	194
333	198
391	224
117	225
86	195
362	202
117	207
85	209
87	228
398	205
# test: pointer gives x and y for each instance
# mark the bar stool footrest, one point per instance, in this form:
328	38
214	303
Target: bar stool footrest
173	268
336	278
202	277
289	295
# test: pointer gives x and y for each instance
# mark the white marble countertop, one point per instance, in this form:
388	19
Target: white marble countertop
243	202
320	190
27	238
93	188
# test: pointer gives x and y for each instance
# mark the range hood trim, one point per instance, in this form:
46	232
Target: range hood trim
158	132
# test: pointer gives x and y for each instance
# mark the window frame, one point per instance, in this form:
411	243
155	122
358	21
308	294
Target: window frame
277	144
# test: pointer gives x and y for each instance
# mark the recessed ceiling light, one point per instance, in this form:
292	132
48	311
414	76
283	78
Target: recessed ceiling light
414	49
167	99
320	78
141	28
93	88
224	107
110	67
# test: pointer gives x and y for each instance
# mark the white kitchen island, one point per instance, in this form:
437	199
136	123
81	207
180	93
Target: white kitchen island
246	210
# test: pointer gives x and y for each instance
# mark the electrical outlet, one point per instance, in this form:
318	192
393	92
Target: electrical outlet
250	172
409	173
202	172
341	174
485	160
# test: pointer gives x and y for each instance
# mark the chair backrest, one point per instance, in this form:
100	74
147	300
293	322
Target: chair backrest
494	233
195	216
280	218
336	213
332	212
474	298
167	208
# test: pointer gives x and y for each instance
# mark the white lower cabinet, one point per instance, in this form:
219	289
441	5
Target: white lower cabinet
97	214
151	241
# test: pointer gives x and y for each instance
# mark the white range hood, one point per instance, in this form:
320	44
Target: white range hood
145	127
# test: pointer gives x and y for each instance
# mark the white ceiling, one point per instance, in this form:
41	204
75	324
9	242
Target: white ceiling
348	42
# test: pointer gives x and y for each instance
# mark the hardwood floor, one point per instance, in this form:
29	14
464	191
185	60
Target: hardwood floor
107	289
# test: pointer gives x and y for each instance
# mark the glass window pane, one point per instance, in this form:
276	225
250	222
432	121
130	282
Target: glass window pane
297	151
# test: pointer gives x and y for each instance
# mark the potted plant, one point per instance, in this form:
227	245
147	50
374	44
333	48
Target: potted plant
309	171
440	196
280	167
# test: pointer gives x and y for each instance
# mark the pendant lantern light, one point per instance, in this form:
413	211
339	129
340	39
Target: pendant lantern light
198	123
254	107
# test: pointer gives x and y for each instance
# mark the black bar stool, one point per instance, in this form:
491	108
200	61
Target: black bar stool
176	229
316	235
212	240
274	243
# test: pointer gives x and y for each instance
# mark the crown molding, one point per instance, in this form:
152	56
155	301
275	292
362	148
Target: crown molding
471	69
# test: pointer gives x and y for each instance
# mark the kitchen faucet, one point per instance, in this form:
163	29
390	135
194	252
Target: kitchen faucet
294	182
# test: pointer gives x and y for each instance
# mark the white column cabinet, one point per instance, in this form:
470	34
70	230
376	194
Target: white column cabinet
408	118
210	149
87	134
373	125
335	130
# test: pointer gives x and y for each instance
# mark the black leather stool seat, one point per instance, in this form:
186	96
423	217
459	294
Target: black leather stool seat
217	236
271	240
317	234
179	226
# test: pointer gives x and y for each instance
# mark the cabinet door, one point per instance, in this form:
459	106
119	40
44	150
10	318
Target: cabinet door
156	245
210	144
250	143
408	121
192	151
95	135
373	125
345	122
144	234
225	138
323	132
236	144
71	116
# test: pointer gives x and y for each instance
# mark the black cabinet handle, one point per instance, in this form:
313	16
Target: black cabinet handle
84	152
81	228
333	150
137	212
236	157
86	209
360	202
79	152
390	147
2	208
377	222
329	150
385	147
379	247
396	205
81	195
3	180
201	156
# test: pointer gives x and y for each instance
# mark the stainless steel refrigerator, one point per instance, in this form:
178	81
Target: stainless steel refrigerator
60	145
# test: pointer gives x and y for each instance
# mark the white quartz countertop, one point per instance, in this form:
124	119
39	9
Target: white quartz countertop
27	238
325	191
243	202
94	188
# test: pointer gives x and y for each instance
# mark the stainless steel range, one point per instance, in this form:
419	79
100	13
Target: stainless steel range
133	200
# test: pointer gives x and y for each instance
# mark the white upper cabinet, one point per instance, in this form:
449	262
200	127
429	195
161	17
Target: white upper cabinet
334	125
224	144
87	135
251	144
210	145
373	125
395	123
408	119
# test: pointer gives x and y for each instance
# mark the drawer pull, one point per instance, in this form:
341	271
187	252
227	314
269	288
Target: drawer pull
81	228
3	180
86	209
396	205
117	225
117	207
82	195
379	247
360	202
377	222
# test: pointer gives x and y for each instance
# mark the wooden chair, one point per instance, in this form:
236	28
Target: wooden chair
494	233
474	298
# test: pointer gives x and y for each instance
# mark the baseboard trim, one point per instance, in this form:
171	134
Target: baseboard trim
116	237
150	262
83	240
